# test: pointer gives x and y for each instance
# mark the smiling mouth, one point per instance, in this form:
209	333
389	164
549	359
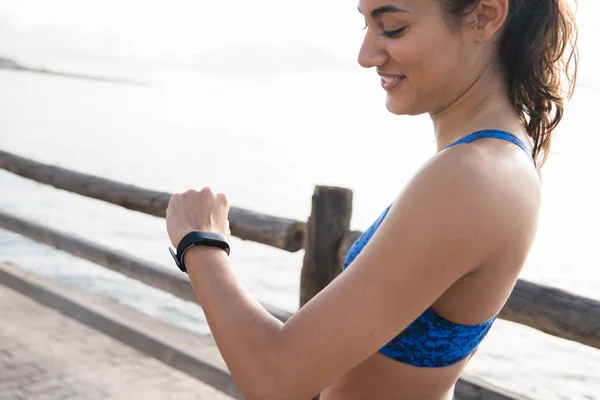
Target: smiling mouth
389	79
390	82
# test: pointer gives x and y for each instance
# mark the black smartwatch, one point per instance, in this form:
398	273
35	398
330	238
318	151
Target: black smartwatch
198	238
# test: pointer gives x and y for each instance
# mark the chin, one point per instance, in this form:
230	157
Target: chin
398	107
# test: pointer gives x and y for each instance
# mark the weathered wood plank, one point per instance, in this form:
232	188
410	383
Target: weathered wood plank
347	242
327	226
555	312
183	350
151	274
283	233
477	389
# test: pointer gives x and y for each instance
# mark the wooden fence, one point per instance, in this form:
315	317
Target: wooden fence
325	238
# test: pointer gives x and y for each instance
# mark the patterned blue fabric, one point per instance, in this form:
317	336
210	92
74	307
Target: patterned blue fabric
431	340
495	134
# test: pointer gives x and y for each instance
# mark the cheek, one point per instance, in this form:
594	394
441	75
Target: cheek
407	54
423	59
432	65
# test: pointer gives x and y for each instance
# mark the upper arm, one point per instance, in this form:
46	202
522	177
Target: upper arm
438	230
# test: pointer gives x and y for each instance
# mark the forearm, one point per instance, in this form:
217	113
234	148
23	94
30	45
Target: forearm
243	330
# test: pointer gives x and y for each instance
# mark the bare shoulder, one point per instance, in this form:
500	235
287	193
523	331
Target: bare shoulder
496	173
489	193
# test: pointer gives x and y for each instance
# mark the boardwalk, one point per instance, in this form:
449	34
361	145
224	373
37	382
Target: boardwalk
47	356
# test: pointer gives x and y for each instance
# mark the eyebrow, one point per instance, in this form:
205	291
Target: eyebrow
383	10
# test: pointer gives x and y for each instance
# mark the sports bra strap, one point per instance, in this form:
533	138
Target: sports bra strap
493	134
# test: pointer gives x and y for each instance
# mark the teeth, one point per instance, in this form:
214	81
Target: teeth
388	80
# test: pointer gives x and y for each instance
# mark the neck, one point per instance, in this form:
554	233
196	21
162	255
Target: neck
484	105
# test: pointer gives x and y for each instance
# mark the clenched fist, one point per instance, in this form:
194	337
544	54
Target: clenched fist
197	211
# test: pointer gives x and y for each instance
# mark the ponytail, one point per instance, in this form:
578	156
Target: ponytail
538	49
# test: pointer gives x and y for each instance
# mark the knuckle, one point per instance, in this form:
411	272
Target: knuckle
222	198
206	194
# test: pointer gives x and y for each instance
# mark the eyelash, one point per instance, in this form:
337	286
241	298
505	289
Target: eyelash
390	34
393	34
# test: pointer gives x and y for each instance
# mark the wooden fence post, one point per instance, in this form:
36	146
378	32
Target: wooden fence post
327	226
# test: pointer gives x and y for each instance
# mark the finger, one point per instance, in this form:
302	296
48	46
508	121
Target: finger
222	199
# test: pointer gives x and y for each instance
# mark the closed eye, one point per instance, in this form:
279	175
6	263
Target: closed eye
393	34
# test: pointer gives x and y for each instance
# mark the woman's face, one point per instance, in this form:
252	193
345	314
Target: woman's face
425	65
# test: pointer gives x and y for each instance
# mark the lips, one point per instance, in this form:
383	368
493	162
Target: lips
389	82
388	79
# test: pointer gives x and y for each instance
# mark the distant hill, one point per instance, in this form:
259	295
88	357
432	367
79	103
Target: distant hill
7	63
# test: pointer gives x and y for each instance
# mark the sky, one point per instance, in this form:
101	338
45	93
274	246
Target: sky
184	31
146	29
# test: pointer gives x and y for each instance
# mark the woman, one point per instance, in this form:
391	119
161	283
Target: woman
426	281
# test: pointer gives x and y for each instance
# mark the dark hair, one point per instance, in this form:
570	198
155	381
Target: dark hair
537	48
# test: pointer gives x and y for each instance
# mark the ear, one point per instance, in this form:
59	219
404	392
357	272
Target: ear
488	18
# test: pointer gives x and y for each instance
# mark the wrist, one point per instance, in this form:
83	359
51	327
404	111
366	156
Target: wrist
201	255
198	239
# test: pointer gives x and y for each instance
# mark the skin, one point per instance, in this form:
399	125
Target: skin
455	238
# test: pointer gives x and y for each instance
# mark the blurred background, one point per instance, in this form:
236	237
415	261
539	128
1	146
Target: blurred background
260	100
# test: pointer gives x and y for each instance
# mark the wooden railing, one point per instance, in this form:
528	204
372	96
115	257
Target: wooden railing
326	238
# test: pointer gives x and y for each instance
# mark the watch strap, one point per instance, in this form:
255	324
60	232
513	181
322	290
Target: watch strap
198	238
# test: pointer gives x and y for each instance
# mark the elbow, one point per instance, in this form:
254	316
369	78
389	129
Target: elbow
272	375
270	385
259	396
263	388
271	395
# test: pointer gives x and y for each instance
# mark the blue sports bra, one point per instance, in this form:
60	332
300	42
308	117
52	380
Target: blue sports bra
431	340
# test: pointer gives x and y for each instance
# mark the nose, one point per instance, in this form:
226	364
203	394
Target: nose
371	53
